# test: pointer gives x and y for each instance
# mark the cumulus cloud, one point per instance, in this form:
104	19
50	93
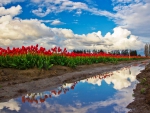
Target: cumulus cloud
13	11
15	31
135	16
18	29
27	30
130	14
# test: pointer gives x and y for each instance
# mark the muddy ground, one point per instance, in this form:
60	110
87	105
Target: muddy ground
14	83
141	103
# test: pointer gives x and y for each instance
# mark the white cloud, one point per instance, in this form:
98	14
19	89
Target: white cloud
135	16
11	105
63	33
5	19
26	30
4	2
123	1
57	22
13	11
58	6
91	2
79	12
130	14
39	12
15	31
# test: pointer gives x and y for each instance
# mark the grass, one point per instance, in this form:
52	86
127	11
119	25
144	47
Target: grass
143	81
143	91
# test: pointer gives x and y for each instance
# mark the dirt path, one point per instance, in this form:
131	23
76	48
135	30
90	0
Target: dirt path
141	104
14	83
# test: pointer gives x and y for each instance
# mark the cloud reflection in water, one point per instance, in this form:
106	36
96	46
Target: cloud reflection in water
68	97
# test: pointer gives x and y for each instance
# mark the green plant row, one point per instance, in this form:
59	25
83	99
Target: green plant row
46	62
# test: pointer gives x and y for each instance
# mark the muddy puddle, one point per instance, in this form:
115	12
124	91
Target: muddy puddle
109	92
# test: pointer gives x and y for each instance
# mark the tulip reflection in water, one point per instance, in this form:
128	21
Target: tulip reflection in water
120	78
41	97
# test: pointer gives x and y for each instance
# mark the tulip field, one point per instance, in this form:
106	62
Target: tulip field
39	57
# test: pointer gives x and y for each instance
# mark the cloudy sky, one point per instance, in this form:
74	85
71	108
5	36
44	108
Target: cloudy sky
75	24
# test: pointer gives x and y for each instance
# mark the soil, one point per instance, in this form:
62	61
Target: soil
141	103
14	83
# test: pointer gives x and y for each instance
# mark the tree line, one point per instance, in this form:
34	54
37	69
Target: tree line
114	52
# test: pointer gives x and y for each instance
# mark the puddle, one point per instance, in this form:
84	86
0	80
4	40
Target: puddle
104	93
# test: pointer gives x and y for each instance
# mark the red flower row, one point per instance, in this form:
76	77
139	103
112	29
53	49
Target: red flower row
56	50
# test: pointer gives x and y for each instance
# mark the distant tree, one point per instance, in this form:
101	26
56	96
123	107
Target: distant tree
117	52
101	51
149	50
94	51
113	52
146	50
80	51
88	51
133	53
125	52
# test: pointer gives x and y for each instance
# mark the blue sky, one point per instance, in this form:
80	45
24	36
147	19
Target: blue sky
75	24
81	22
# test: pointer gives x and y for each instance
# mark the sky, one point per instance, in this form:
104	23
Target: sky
75	24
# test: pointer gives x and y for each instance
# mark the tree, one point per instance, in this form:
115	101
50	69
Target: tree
125	52
146	50
133	53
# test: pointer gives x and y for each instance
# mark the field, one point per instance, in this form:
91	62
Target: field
34	56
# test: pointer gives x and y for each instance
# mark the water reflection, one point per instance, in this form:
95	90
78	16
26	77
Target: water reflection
121	78
41	97
11	105
110	92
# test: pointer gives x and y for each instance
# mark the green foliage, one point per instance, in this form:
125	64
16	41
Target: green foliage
143	81
133	53
46	62
143	91
133	95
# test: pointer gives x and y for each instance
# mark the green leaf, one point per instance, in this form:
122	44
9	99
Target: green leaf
51	65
